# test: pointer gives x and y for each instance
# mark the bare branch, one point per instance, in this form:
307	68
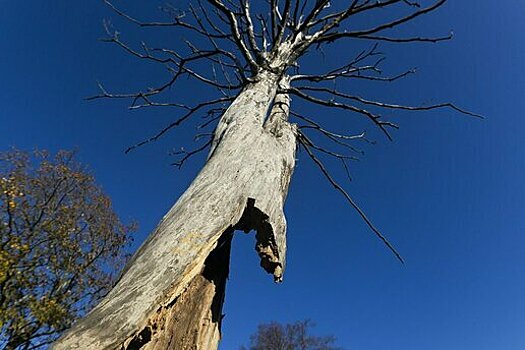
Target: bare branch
251	30
283	24
180	62
349	199
376	119
337	138
214	114
408	40
234	25
354	73
388	105
333	20
210	22
265	34
353	69
338	35
189	154
342	158
176	123
318	7
177	22
387	79
339	156
274	11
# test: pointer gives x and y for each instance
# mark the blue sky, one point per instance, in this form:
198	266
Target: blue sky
448	191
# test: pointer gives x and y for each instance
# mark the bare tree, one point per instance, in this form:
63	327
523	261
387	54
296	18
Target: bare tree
171	293
292	336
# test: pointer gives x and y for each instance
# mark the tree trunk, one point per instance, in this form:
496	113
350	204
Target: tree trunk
171	293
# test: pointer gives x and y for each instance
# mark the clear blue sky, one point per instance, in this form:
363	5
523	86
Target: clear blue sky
448	191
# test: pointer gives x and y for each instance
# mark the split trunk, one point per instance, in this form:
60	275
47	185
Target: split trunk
170	295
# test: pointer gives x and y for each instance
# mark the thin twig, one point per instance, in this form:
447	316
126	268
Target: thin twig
349	199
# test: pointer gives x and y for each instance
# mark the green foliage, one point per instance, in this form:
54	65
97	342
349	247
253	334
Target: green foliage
294	336
61	245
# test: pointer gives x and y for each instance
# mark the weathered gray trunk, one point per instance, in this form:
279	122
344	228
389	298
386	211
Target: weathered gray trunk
170	295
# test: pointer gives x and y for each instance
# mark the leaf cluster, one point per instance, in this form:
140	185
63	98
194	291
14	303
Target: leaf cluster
61	244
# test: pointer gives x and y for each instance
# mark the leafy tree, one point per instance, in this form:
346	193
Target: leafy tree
61	245
251	54
293	336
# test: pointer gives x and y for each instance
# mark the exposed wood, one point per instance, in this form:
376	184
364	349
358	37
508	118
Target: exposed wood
193	320
242	186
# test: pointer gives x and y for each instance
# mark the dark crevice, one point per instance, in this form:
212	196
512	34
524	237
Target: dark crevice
269	110
216	270
217	266
140	339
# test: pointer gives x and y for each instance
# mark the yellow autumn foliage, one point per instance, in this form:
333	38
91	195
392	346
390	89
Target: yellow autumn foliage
61	245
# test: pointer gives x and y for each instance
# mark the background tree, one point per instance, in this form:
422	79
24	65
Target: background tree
171	293
292	336
61	245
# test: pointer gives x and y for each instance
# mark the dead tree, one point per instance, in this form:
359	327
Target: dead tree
170	295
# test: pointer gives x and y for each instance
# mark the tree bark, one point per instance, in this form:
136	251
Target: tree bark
171	293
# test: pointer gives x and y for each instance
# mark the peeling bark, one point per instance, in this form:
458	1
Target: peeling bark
170	295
